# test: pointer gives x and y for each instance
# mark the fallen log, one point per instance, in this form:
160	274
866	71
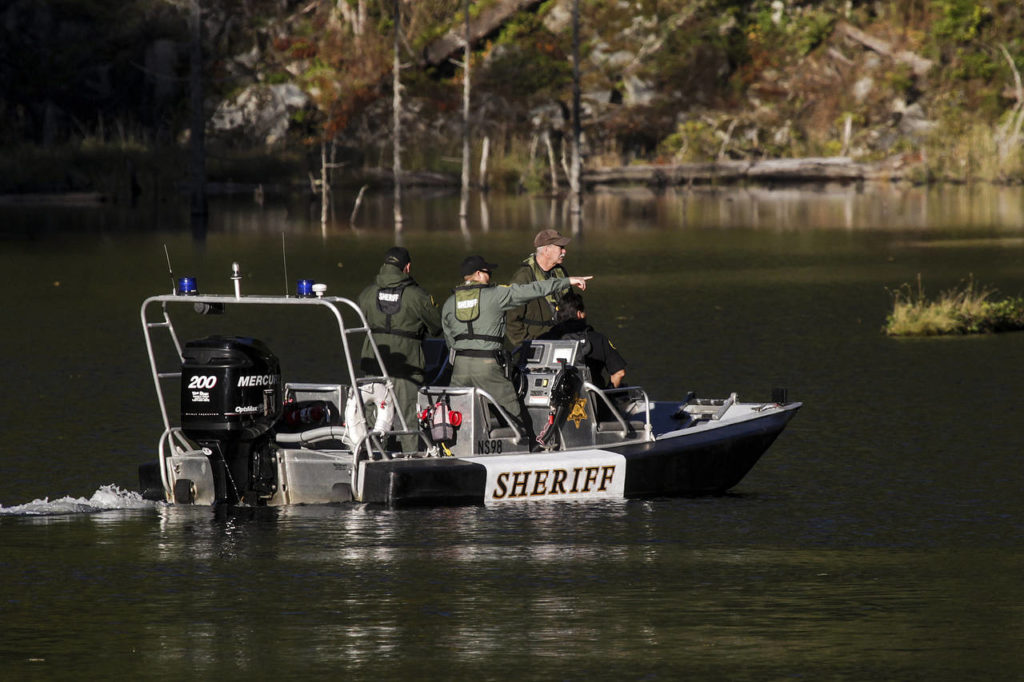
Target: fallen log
837	169
55	199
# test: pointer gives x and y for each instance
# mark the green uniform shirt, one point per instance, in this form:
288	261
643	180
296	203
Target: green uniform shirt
494	301
533	318
417	316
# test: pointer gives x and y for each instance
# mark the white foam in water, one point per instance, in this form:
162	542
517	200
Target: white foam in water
106	498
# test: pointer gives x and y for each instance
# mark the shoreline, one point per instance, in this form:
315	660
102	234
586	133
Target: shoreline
812	171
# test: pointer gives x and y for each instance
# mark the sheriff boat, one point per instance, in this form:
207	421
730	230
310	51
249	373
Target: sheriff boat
243	435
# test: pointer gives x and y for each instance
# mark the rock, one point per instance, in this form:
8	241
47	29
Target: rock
637	92
558	18
862	88
620	59
913	121
261	111
488	19
549	117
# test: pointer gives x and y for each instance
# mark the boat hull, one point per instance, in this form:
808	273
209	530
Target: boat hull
698	461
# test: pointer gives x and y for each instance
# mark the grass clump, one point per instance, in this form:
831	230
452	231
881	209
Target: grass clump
967	309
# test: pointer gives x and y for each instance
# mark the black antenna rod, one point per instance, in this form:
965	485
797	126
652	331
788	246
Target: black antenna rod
284	257
174	287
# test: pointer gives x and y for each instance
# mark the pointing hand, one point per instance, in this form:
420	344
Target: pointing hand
580	282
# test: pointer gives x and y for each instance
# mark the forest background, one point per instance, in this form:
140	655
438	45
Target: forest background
95	95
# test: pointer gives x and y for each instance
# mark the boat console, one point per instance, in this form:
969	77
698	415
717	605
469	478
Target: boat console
562	402
541	362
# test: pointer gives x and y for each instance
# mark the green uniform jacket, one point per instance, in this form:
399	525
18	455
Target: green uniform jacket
417	315
535	317
494	301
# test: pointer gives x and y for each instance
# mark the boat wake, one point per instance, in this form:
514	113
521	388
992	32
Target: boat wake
108	497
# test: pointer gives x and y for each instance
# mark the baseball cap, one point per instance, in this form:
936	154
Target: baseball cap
545	237
397	256
473	263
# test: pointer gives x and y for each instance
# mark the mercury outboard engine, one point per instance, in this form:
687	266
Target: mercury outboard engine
230	399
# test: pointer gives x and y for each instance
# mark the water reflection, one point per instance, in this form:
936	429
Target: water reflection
879	538
785	208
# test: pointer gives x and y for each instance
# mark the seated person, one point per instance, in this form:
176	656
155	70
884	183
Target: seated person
607	366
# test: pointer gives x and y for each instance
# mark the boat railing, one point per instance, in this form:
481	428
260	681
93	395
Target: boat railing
605	395
334	305
182	447
709	409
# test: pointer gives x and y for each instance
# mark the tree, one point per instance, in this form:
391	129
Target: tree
197	158
464	197
576	198
397	116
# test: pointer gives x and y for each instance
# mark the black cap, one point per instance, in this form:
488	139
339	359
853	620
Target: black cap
397	256
473	263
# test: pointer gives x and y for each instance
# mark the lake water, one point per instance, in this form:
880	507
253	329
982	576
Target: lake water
879	538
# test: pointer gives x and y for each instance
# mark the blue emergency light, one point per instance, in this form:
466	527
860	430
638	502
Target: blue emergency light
187	286
305	288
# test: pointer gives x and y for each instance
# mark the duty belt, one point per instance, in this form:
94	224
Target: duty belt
493	354
397	332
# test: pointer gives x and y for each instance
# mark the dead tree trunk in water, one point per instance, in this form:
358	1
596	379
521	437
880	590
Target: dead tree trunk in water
1008	135
325	185
484	152
576	198
397	114
355	208
197	138
551	162
464	197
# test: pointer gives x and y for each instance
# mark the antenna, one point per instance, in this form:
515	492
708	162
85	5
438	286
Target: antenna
170	271
284	257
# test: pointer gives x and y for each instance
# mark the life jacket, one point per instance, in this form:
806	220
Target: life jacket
467	310
389	302
541	275
552	298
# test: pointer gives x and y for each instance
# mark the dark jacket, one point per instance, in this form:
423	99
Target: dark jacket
600	356
399	339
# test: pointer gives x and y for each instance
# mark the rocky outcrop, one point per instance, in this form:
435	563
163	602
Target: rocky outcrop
918	64
489	20
260	112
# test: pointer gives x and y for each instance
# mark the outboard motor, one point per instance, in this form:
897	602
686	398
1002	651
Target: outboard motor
230	399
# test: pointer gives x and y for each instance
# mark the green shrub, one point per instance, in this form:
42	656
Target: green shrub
693	141
964	310
960	20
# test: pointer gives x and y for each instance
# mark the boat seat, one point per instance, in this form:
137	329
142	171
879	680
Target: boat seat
607	426
495	425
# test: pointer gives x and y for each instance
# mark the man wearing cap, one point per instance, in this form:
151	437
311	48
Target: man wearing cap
474	327
536	317
400	314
